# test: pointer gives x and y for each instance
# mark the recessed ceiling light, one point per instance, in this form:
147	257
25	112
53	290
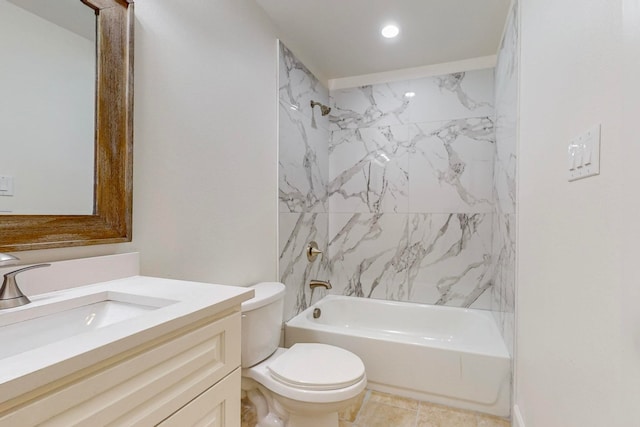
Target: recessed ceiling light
409	94
390	31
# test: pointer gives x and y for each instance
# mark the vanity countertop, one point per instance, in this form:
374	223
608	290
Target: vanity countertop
180	303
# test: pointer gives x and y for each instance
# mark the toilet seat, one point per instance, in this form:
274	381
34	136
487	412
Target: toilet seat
317	367
309	389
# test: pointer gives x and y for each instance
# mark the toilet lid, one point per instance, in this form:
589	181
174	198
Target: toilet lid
317	367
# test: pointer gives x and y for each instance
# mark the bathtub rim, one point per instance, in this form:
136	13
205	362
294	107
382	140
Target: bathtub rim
303	320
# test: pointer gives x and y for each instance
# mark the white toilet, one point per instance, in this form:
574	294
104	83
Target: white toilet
303	386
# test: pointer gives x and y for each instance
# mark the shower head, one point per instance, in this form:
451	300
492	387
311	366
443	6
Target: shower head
325	110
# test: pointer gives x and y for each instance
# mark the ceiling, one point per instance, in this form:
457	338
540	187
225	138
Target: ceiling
341	38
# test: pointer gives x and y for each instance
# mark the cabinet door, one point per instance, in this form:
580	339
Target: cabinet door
142	388
219	406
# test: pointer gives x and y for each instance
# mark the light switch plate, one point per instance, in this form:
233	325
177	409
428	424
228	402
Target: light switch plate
583	155
6	185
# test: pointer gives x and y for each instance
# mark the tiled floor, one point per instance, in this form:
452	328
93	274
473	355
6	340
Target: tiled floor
375	409
384	410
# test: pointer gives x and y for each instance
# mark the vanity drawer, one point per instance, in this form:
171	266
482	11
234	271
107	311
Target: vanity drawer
142	387
217	407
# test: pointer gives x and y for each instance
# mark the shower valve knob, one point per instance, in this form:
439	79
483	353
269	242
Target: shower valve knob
313	251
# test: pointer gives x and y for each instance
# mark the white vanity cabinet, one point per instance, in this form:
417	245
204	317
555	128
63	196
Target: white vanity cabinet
218	406
185	372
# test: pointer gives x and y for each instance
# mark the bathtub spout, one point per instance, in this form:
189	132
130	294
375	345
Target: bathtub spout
319	283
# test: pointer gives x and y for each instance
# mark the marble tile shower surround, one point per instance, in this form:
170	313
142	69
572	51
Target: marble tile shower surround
440	98
450	164
298	87
303	136
428	258
296	231
411	190
504	192
369	170
397	190
303	173
303	164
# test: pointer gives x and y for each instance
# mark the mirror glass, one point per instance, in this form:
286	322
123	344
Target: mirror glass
47	107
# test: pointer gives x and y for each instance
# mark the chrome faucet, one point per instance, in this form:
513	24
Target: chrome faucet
319	284
10	294
7	259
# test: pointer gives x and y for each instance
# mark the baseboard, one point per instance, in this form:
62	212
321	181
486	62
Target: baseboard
517	417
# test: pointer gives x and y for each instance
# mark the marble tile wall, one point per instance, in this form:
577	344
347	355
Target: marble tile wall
399	185
504	191
302	174
410	190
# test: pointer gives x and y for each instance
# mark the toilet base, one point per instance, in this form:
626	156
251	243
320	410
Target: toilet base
326	420
271	410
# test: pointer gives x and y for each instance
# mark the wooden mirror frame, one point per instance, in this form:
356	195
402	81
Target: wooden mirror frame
113	197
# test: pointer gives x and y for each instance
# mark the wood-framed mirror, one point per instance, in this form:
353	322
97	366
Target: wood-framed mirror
113	197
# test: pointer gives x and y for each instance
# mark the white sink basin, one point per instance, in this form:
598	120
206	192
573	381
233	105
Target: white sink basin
63	332
42	324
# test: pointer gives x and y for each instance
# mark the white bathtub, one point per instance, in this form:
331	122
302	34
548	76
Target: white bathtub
445	355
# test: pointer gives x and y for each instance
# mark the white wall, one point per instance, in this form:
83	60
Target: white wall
578	296
205	160
205	187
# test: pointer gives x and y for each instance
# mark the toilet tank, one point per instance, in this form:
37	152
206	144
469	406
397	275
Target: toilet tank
262	322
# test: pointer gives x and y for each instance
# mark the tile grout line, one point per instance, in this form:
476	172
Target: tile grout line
415	423
362	405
